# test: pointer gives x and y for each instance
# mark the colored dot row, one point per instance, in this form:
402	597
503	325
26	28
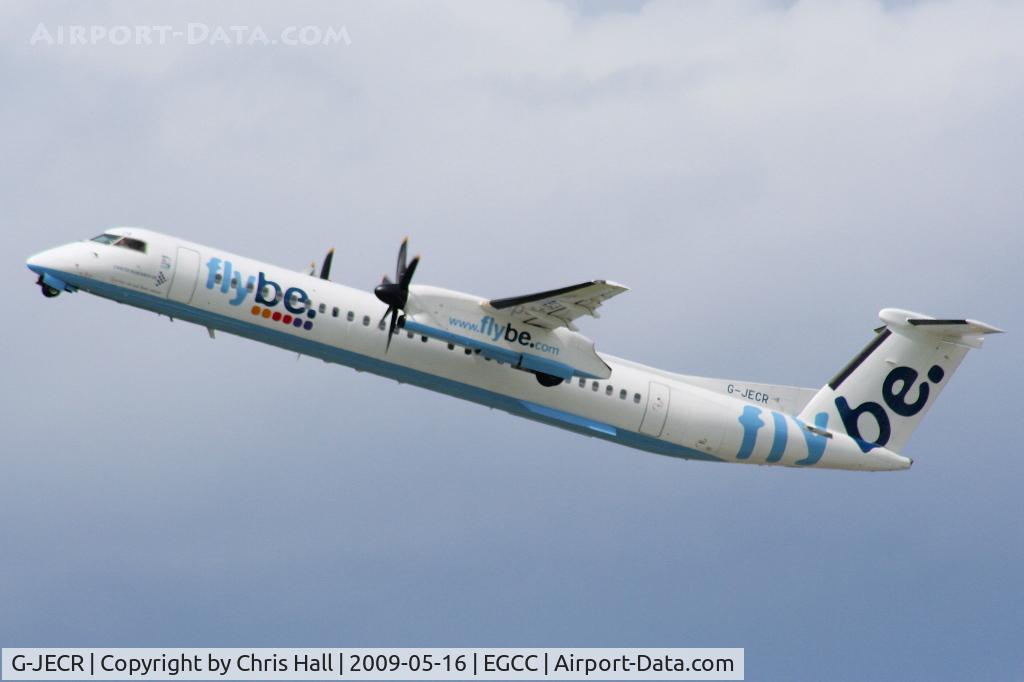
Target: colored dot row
285	318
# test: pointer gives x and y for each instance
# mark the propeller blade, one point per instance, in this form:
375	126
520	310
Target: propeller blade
391	328
400	266
395	295
325	269
407	275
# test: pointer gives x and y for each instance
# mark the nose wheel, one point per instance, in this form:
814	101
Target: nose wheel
48	291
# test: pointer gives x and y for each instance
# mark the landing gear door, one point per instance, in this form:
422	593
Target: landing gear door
658	398
186	272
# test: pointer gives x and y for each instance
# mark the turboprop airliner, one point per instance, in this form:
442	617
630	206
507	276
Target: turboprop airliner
525	355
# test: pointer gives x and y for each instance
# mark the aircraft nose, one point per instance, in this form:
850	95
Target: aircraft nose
40	262
64	258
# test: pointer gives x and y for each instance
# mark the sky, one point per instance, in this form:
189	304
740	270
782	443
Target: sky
764	176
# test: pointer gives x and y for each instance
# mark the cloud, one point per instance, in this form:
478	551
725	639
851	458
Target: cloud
765	176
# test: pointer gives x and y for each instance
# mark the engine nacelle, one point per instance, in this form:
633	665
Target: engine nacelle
464	320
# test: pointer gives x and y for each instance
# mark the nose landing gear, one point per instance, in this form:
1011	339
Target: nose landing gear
48	291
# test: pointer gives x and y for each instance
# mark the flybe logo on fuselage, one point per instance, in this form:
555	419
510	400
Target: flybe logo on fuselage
495	331
297	311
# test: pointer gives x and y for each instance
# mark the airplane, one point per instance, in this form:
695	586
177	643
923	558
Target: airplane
525	355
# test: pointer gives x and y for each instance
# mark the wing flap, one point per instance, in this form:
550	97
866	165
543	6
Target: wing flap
559	307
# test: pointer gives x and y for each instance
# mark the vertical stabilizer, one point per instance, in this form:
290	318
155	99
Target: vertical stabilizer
880	396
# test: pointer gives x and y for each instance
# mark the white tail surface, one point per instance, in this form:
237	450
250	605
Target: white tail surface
880	396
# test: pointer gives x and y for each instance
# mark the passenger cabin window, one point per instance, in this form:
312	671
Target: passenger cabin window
608	389
594	387
322	308
335	311
249	286
636	398
366	320
583	382
218	278
622	394
351	316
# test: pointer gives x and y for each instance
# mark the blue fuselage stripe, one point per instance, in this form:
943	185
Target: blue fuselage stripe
296	343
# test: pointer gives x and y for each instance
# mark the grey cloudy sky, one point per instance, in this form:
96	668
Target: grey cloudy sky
765	176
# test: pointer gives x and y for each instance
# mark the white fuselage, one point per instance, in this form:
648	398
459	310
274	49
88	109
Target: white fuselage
637	406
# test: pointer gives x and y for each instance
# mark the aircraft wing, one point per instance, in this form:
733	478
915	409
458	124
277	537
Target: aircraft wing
559	307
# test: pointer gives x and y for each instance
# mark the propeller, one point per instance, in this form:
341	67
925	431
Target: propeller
325	269
396	294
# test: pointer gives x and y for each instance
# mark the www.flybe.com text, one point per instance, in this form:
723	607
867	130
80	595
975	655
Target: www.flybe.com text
494	331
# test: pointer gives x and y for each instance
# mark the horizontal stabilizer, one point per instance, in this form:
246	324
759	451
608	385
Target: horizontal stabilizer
970	333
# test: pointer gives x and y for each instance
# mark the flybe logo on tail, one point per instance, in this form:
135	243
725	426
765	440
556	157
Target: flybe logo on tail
816	438
297	311
896	389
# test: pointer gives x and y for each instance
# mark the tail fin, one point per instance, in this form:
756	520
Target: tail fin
880	397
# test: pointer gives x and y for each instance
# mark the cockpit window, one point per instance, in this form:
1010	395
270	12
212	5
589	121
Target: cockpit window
133	244
123	242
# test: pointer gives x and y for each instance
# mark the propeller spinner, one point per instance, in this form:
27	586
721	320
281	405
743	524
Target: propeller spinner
396	294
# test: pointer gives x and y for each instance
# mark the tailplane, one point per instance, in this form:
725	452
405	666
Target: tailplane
880	396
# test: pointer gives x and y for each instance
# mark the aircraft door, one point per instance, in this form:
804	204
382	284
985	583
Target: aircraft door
700	421
186	272
658	398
